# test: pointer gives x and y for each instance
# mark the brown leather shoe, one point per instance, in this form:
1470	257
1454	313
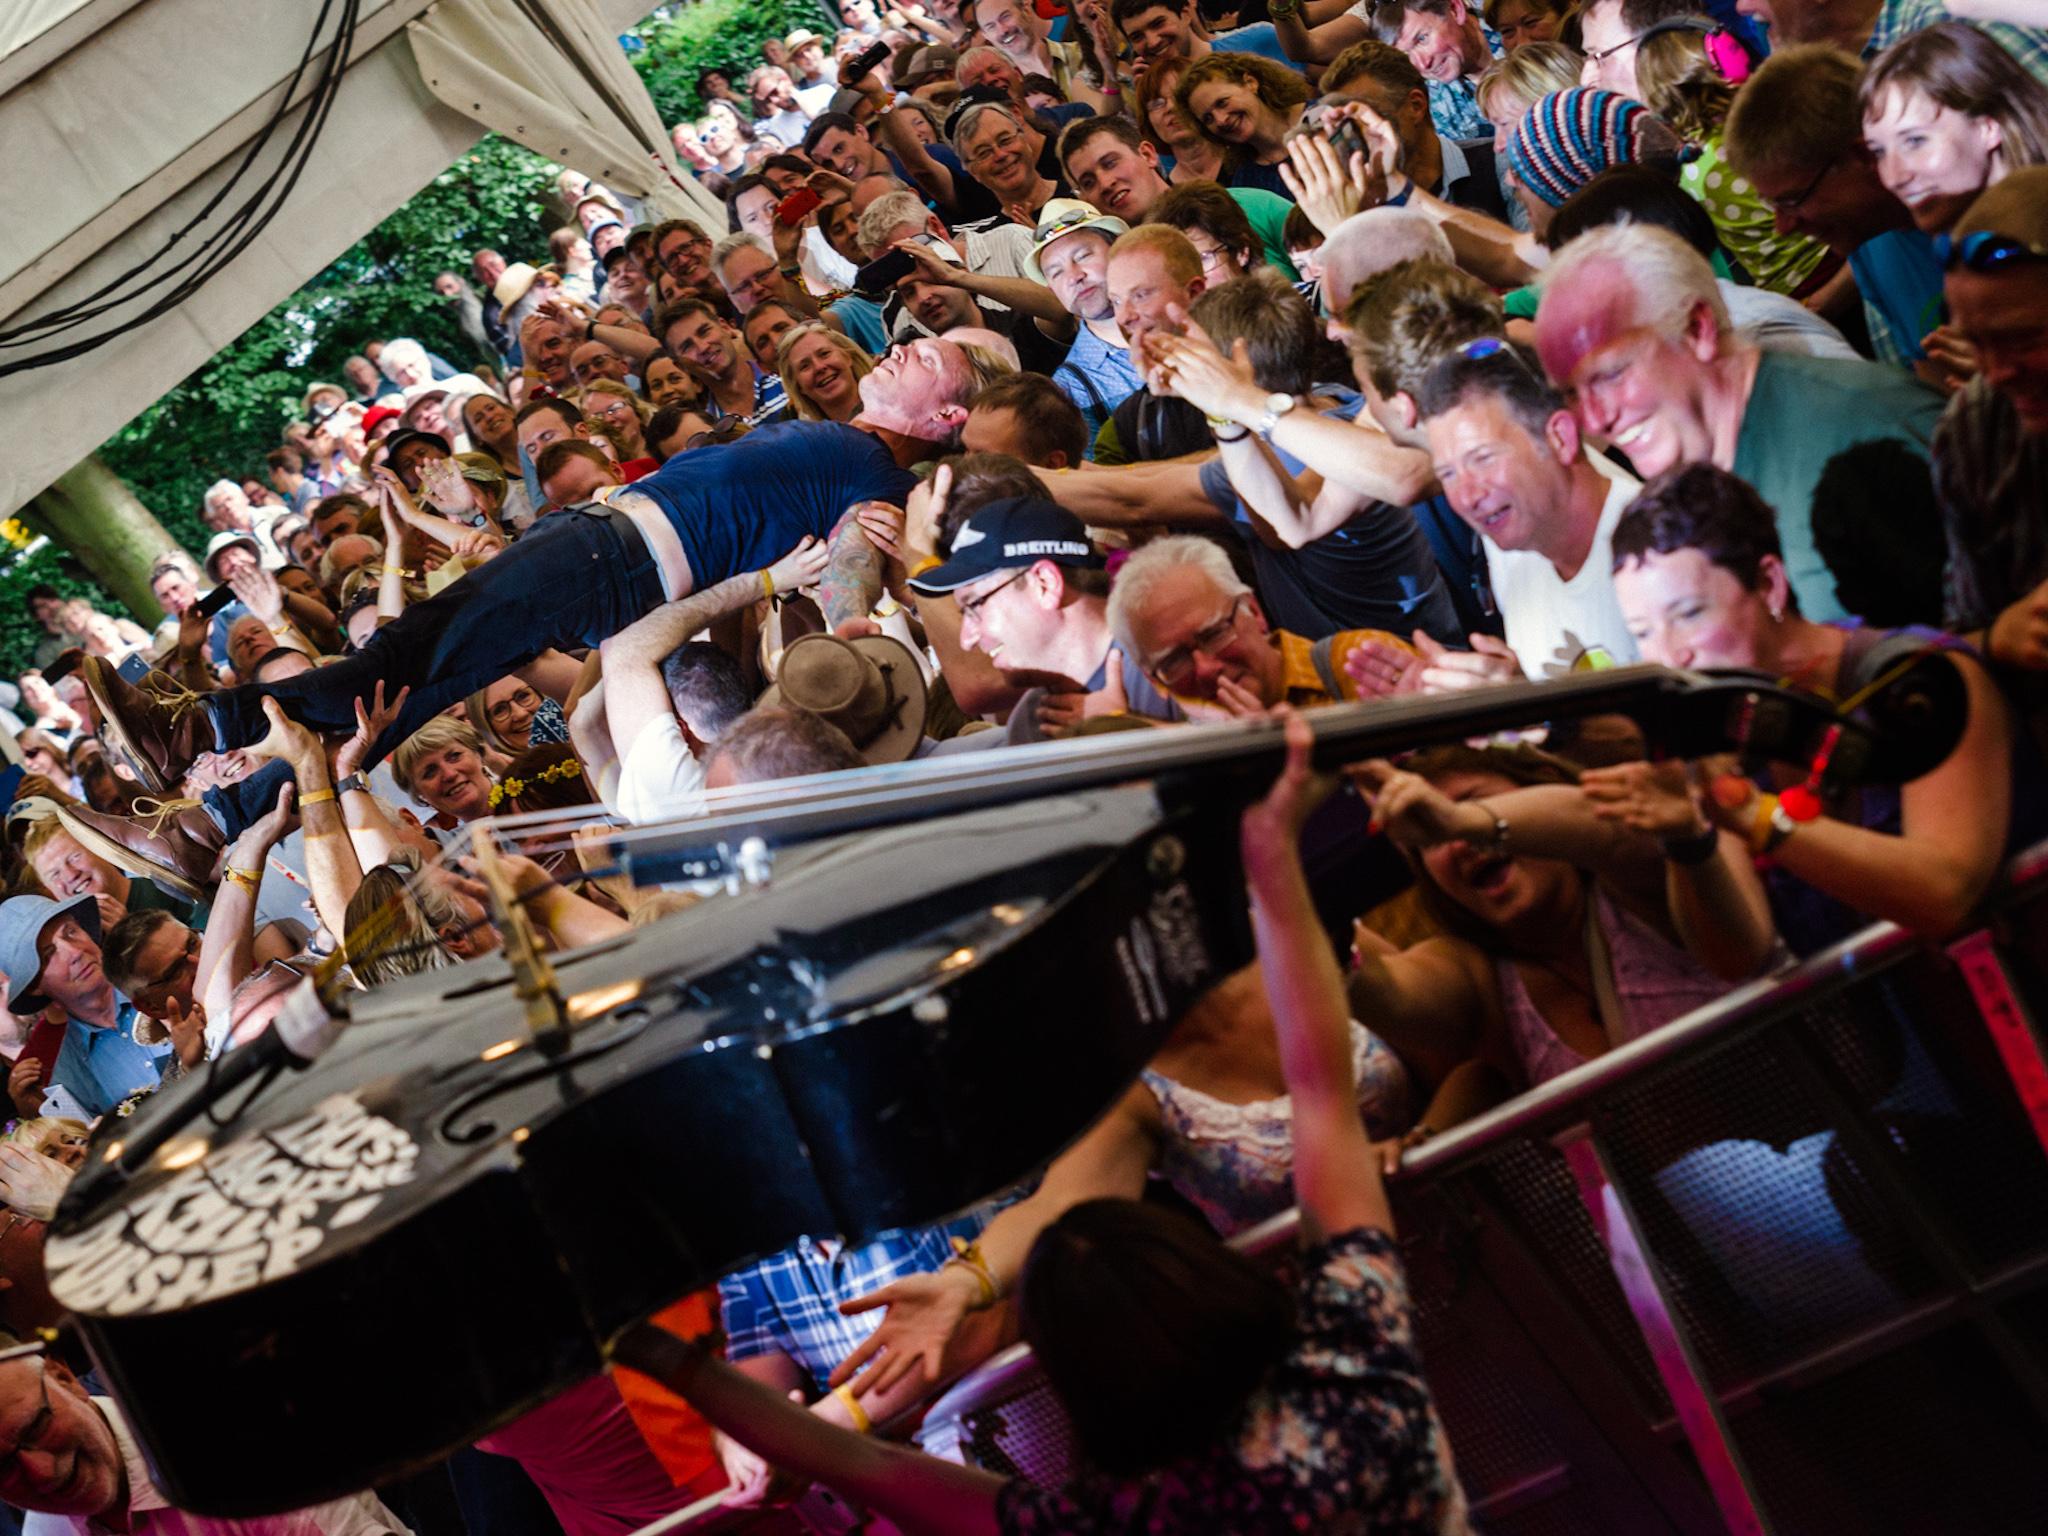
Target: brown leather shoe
157	730
176	844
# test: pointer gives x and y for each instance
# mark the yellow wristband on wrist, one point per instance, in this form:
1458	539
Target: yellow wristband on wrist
248	879
314	797
767	584
861	1422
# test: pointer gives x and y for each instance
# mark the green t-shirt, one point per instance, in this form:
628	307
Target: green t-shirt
1806	414
1268	215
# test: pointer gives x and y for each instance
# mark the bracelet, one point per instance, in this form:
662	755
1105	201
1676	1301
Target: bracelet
968	1256
1500	826
314	797
1242	432
352	782
1694	850
247	879
861	1422
767	584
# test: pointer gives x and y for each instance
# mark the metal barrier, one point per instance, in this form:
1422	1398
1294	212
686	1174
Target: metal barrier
1781	1266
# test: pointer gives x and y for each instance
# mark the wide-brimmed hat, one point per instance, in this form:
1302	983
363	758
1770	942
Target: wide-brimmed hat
802	37
225	541
22	921
1062	217
870	687
513	282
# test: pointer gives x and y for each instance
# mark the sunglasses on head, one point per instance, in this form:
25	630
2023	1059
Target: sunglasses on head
1986	251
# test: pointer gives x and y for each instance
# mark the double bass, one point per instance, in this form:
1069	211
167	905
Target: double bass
931	979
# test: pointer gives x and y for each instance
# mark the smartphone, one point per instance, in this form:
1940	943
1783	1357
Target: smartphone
133	668
793	209
858	67
65	664
1342	132
878	279
216	600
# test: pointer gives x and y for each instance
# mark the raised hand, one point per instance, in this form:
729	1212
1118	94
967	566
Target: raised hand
187	1032
802	566
926	512
442	484
1277	820
1327	190
1489	663
925	1311
266	831
370	724
1193	368
286	739
930	269
2019	636
476	546
25	1086
1413	812
259	593
1653	798
31	1182
1382	670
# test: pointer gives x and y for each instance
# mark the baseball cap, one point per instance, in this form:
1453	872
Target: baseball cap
404	435
1062	217
1008	533
376	416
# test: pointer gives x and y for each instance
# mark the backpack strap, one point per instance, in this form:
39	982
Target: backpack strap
1323	654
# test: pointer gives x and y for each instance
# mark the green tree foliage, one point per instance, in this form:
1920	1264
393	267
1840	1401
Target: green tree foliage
715	34
224	418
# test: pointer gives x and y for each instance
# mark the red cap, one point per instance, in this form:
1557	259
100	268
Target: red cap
376	416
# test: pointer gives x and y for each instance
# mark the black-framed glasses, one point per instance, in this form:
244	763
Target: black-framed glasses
1986	251
1792	203
971	606
1176	666
1595	55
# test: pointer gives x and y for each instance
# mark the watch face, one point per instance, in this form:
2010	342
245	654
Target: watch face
1279	405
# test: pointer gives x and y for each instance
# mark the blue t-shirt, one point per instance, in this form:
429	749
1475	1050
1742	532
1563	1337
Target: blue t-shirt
1096	376
101	1067
863	321
1375	572
743	506
1258	38
1901	286
1263	178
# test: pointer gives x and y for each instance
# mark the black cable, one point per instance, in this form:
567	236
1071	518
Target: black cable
241	229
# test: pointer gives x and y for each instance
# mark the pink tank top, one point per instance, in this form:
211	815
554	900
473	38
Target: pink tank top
1654	980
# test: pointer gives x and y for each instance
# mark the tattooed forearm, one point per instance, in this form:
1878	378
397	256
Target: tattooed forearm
853	577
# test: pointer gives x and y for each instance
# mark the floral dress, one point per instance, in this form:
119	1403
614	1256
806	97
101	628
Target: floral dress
1340	1437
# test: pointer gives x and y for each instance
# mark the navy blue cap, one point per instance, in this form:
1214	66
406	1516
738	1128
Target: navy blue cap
1006	534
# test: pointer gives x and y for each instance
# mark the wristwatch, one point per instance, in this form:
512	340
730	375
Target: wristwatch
1277	405
352	781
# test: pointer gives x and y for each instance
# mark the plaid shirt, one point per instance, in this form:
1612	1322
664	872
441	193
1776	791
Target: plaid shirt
789	1302
2027	45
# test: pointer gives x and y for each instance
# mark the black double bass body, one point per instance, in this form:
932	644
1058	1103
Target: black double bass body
331	1275
439	1225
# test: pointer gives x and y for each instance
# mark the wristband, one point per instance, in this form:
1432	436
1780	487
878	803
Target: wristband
1242	432
861	1422
314	797
247	879
1694	850
353	782
1500	827
968	1257
767	584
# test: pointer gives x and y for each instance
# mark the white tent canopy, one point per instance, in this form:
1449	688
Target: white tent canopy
122	117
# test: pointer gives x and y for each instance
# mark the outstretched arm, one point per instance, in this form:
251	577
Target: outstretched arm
852	582
1336	1171
920	1493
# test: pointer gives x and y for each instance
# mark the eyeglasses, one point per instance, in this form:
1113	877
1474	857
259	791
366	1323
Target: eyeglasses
186	957
1792	203
1594	55
970	606
1001	144
1178	665
1986	251
524	698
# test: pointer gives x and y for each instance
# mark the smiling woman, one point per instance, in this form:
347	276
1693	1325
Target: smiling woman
1947	113
1246	106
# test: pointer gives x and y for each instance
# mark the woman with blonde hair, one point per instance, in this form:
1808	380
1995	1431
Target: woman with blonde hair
821	372
1517	81
1246	106
1688	70
621	416
1946	113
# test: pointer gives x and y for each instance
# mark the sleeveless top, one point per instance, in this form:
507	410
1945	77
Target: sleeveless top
1235	1162
1654	982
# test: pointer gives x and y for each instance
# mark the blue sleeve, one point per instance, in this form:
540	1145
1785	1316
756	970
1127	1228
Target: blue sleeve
1217	487
747	1316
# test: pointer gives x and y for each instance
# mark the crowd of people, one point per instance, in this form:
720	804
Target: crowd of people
1133	370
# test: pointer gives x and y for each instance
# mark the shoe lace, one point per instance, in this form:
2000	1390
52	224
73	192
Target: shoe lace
154	813
170	692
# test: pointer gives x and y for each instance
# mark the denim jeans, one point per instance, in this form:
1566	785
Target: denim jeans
571	581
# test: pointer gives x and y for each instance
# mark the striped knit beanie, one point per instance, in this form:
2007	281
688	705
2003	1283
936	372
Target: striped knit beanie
1569	137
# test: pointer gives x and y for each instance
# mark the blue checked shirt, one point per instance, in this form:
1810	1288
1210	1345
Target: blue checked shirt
789	1303
2027	45
1454	104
